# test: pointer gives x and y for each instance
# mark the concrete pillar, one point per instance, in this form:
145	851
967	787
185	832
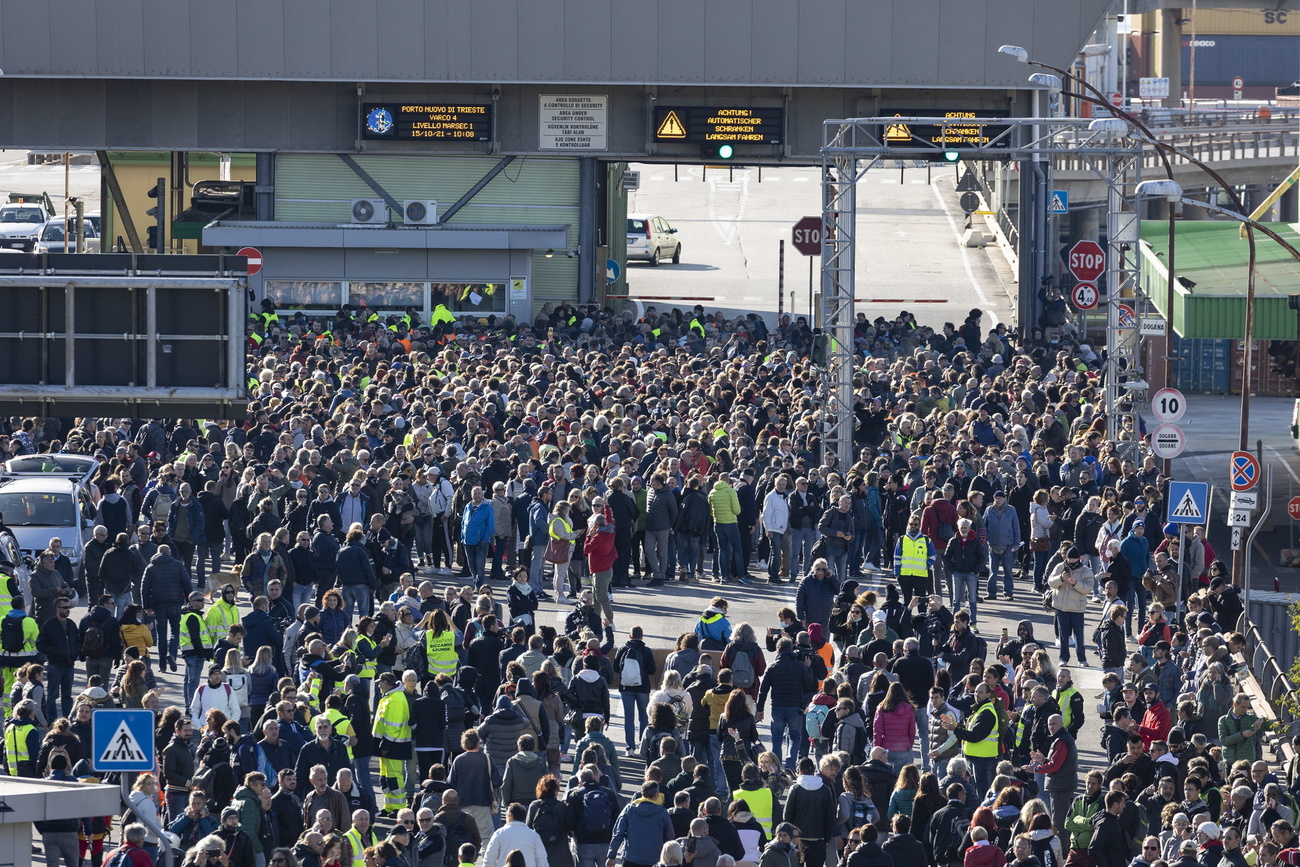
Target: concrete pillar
264	191
587	230
1169	53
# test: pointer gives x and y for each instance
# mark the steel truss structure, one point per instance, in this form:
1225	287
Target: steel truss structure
851	147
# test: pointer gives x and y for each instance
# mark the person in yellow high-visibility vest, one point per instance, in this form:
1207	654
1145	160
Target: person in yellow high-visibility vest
392	731
981	741
22	741
11	662
913	561
440	652
757	796
361	837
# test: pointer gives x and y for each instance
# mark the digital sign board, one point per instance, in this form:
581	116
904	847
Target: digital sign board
713	125
957	135
408	121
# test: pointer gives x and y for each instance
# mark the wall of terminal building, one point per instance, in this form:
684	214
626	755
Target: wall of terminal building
325	117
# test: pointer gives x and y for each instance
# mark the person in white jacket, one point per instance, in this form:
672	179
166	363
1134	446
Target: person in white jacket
514	834
216	693
776	523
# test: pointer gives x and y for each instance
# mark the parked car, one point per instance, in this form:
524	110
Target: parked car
54	237
48	495
651	239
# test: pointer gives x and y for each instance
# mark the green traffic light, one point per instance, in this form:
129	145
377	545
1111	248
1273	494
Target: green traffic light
725	151
951	156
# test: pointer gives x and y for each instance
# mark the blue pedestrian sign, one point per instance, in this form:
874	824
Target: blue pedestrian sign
1059	203
1188	502
122	740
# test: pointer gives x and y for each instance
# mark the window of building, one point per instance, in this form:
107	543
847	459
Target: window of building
483	298
305	294
387	296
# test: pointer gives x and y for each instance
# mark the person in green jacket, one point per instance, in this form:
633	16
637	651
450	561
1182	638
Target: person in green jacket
248	799
1238	731
1087	805
725	506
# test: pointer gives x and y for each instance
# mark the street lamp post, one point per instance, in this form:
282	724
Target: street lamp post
1162	150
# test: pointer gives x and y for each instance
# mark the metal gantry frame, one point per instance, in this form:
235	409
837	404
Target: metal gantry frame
851	147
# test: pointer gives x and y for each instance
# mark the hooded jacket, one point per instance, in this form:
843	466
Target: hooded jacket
644	827
500	733
523	771
811	808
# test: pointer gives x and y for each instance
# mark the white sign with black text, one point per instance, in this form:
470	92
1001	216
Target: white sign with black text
572	122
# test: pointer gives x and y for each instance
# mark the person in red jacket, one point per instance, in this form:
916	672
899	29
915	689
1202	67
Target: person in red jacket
599	549
1156	720
983	853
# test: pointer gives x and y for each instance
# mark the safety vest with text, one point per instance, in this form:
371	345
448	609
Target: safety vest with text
440	653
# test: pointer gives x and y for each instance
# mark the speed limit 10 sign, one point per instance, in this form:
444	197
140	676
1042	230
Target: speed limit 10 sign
1085	296
1168	405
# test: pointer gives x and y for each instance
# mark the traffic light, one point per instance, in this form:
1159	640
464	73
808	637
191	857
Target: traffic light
719	152
157	233
820	343
947	155
151	237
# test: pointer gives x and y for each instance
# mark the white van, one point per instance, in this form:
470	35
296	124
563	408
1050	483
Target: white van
44	496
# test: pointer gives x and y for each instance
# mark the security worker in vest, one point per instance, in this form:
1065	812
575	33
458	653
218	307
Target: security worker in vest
756	795
22	741
392	731
367	651
1070	700
440	652
913	561
980	740
10	662
361	836
197	641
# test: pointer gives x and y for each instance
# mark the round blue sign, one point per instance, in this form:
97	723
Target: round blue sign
611	270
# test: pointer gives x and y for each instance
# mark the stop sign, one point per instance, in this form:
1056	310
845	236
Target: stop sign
807	236
1087	261
1293	508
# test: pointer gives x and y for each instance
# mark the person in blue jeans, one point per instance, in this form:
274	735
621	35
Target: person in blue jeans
727	537
1002	526
635	664
790	684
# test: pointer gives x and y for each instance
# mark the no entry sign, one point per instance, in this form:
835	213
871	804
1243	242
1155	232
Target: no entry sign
254	257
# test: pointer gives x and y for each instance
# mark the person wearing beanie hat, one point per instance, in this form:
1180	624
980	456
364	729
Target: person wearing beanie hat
239	846
782	851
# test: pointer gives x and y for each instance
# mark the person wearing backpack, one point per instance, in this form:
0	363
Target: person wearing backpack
745	659
594	809
553	821
635	664
101	643
18	634
791	687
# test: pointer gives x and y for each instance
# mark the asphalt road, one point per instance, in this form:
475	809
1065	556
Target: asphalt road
731	221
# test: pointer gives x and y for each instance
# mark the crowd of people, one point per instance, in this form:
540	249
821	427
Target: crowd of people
353	578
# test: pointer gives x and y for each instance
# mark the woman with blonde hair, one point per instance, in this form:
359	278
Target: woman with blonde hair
238	681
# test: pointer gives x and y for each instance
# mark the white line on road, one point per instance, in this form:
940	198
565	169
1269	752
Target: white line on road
1282	458
965	256
799	180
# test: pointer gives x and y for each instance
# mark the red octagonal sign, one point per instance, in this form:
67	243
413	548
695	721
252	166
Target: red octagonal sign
1087	261
1293	508
807	236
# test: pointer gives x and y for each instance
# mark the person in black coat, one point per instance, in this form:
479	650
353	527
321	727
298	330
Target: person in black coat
1110	844
947	826
484	654
869	852
239	847
902	848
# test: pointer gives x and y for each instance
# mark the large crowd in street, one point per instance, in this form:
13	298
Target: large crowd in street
357	585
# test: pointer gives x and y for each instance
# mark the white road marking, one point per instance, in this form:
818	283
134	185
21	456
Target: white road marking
1282	459
888	181
965	257
799	180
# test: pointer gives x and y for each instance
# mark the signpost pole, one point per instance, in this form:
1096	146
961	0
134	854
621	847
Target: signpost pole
812	323
1250	540
780	283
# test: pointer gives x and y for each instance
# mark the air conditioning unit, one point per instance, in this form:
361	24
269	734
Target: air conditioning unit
420	212
369	211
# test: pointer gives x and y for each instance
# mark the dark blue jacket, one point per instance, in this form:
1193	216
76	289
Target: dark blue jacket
166	582
260	632
354	567
196	519
325	553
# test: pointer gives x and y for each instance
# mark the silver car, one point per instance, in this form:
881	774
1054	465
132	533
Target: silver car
651	239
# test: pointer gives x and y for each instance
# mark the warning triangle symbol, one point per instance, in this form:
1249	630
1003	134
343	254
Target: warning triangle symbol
898	131
671	127
1187	507
123	747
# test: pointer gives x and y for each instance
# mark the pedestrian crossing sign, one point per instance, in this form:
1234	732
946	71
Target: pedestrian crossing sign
1059	203
122	739
897	131
1188	502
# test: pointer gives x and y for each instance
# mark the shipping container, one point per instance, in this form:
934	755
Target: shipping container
1244	22
1272	61
1265	377
1201	364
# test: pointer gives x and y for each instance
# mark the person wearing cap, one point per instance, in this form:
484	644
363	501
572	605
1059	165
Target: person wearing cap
196	641
238	845
1072	584
392	732
1002	528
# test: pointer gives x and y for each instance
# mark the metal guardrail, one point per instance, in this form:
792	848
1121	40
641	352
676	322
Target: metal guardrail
1263	668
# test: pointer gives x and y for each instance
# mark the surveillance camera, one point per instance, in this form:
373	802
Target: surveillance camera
496	93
